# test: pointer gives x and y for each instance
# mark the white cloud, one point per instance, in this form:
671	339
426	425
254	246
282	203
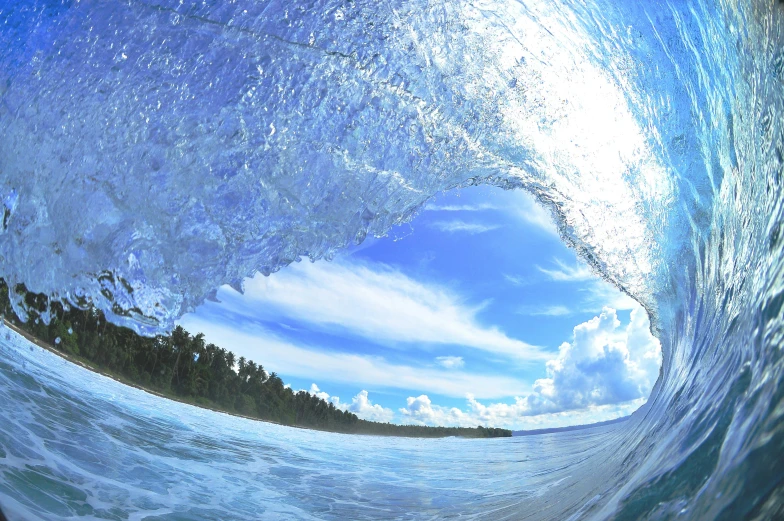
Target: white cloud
518	204
597	295
315	391
517	280
458	226
420	411
450	362
548	311
566	273
461	207
256	343
601	294
516	416
604	373
526	208
374	302
360	405
365	409
601	365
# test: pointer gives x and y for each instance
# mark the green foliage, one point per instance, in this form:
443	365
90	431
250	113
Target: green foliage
184	366
64	336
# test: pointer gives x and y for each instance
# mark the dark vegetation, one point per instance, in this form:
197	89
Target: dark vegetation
186	368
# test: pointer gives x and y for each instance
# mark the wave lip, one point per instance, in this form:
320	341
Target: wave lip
194	145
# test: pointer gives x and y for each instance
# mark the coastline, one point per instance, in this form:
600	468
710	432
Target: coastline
123	381
119	379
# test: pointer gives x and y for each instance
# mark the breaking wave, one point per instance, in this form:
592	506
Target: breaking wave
153	151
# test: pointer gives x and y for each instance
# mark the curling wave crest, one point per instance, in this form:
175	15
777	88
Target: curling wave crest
152	151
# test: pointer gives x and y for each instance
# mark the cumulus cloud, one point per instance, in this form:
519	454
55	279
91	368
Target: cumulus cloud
450	362
458	226
360	405
374	302
515	416
421	411
365	409
605	372
603	364
315	391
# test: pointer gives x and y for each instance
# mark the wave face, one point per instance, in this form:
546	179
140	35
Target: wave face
152	151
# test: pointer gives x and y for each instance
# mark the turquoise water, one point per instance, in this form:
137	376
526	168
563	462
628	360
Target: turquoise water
152	151
82	445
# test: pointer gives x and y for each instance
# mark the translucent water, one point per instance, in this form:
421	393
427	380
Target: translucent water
80	444
151	151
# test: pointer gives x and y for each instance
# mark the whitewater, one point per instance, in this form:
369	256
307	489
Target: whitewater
151	151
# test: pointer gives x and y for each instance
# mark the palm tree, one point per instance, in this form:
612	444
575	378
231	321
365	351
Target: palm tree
230	360
196	347
180	341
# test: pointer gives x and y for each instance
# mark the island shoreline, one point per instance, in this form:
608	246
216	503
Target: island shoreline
119	379
123	381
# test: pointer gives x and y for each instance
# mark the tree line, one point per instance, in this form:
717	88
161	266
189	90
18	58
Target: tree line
185	367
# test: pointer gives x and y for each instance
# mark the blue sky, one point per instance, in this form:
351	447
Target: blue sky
473	313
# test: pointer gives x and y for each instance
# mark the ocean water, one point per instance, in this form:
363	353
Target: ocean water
80	445
151	151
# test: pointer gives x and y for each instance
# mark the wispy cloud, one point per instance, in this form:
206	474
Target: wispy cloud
527	209
548	311
565	273
601	293
596	294
375	302
450	362
309	362
461	207
517	280
514	204
458	226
